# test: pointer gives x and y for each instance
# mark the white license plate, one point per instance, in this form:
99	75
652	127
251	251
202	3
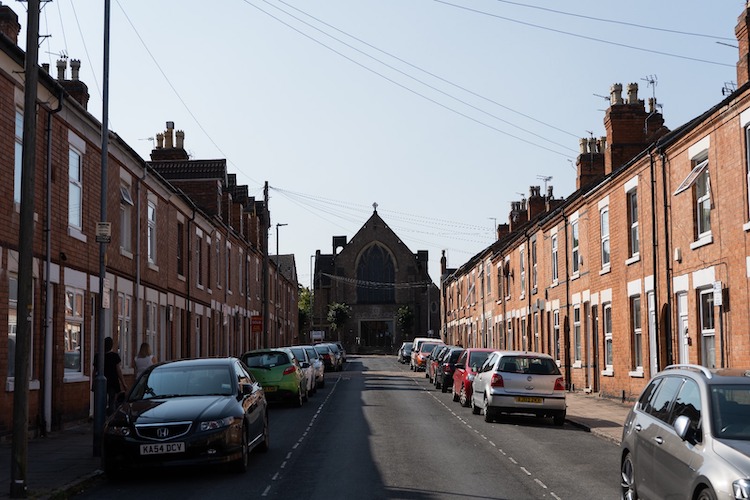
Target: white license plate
162	448
527	399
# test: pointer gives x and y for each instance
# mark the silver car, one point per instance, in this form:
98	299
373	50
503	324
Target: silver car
519	382
688	436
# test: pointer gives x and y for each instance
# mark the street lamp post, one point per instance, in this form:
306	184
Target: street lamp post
278	271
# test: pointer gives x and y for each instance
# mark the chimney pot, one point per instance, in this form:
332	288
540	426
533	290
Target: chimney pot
61	65
592	145
603	144
615	94
168	137
159	140
632	93
75	66
180	139
45	67
583	143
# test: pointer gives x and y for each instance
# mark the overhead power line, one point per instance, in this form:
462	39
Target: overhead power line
584	37
614	21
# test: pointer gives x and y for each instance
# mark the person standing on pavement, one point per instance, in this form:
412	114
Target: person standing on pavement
143	360
113	374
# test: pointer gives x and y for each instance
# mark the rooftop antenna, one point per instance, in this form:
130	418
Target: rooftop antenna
546	179
605	97
148	139
652	81
729	88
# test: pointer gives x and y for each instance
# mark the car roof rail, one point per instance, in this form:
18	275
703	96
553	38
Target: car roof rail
687	366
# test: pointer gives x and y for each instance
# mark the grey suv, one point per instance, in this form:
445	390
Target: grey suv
688	436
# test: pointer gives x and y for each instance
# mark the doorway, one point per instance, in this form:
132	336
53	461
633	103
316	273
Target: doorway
376	333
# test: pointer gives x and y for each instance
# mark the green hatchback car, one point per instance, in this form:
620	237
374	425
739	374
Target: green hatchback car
280	374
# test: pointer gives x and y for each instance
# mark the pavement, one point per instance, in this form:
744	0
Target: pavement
62	463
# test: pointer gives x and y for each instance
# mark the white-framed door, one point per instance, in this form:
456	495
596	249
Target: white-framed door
683	337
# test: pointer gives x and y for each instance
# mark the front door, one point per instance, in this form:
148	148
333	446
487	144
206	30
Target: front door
683	338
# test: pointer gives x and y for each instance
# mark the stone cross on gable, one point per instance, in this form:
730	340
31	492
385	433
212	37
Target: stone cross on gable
375	207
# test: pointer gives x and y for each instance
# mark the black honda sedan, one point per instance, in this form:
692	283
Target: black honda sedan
197	411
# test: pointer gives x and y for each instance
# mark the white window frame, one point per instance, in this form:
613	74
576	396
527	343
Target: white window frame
124	328
534	265
577	351
75	188
634	240
707	322
702	187
74	304
575	246
151	232
556	335
18	158
609	369
555	271
150	322
636	328
522	270
605	249
126	218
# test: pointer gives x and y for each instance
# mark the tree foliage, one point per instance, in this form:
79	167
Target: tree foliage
338	314
405	319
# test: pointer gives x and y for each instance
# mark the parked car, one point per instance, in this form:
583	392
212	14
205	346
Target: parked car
688	436
339	356
415	345
519	382
445	368
318	365
465	370
432	360
279	373
307	368
195	411
404	352
420	357
342	350
327	355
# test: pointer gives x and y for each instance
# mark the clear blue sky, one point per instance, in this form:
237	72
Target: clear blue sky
442	112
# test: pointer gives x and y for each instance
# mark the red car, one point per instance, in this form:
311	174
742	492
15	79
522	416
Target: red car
466	368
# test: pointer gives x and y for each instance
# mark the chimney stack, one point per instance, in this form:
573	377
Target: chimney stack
743	39
75	87
9	25
166	149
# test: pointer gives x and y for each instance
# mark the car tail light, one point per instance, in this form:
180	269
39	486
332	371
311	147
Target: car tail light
497	380
559	384
289	370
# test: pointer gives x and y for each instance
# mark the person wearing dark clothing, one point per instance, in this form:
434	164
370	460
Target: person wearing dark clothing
113	374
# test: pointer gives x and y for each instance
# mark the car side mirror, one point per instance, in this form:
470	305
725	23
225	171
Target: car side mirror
246	389
305	364
683	428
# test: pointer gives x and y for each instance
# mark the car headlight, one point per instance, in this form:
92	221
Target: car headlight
470	377
216	424
741	488
118	430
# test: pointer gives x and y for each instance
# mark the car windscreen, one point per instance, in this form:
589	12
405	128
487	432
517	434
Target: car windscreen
168	381
426	348
299	353
265	359
532	365
730	406
477	359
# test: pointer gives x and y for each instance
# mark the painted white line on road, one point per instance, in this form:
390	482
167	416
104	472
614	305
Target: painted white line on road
283	464
537	481
526	471
493	444
513	460
289	455
555	496
265	492
275	477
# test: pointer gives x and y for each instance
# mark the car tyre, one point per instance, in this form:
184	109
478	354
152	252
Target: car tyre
627	479
559	418
266	443
706	494
474	408
240	465
489	414
298	401
463	398
456	396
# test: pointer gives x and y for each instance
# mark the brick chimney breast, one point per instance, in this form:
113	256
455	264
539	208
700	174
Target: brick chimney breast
9	25
743	39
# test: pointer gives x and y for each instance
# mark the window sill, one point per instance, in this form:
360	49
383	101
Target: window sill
632	260
605	270
77	234
180	277
75	377
702	241
609	372
554	284
636	374
126	253
153	266
575	276
577	364
10	384
746	226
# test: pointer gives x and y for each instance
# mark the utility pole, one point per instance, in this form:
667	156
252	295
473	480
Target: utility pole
266	228
20	444
100	381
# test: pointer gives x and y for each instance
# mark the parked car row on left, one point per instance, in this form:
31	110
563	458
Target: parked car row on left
208	410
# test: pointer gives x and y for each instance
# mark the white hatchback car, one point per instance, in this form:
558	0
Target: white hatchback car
519	382
307	368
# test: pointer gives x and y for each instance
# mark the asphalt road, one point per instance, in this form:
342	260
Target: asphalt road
380	431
